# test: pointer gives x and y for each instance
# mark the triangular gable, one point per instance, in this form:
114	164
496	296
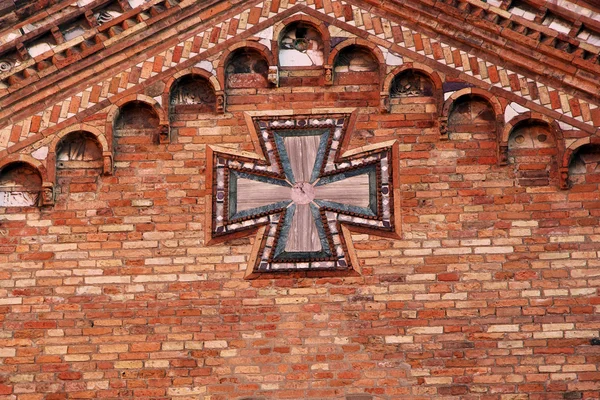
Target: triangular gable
393	38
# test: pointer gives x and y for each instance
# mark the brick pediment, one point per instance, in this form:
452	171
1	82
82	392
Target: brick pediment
399	41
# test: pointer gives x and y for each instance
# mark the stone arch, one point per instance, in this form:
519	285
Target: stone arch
210	78
371	76
227	55
301	19
466	95
535	144
104	143
419	68
40	184
162	126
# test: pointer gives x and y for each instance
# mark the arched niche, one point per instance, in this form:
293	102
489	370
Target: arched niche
472	114
136	118
533	151
584	166
79	150
412	87
411	83
356	65
192	93
301	45
246	68
21	185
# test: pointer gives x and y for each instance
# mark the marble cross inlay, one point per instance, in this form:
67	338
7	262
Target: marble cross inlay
302	193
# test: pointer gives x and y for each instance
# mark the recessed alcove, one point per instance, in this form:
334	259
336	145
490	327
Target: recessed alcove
20	185
355	65
301	45
411	83
246	68
78	150
136	118
474	115
532	150
584	167
192	93
410	91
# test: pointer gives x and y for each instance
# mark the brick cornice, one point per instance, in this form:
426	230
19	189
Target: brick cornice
176	29
91	69
579	77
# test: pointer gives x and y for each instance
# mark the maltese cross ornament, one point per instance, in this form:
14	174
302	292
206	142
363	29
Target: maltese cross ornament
303	195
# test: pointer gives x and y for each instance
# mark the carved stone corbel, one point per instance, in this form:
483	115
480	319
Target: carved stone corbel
47	195
220	95
384	104
444	128
328	75
107	166
164	134
564	178
503	154
273	76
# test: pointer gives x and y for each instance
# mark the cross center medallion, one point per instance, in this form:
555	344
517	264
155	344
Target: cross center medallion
303	193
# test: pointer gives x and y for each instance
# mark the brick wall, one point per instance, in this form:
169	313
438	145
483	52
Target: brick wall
491	293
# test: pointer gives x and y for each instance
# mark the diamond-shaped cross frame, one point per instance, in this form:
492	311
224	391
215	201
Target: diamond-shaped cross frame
302	193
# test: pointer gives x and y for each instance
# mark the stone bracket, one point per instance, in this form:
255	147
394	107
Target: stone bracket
220	97
564	178
443	128
47	197
107	164
384	104
273	76
328	80
503	154
164	134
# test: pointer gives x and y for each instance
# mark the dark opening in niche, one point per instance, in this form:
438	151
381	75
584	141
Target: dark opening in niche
193	93
20	185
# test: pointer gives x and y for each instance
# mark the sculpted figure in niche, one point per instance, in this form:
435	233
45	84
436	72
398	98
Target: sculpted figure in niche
196	90
411	83
301	45
20	185
78	150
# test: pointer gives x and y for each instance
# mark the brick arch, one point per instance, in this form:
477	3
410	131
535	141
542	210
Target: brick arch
520	119
433	75
226	55
568	154
47	188
576	145
214	81
534	117
27	159
104	141
97	133
113	111
375	51
491	99
211	78
429	72
317	24
360	43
